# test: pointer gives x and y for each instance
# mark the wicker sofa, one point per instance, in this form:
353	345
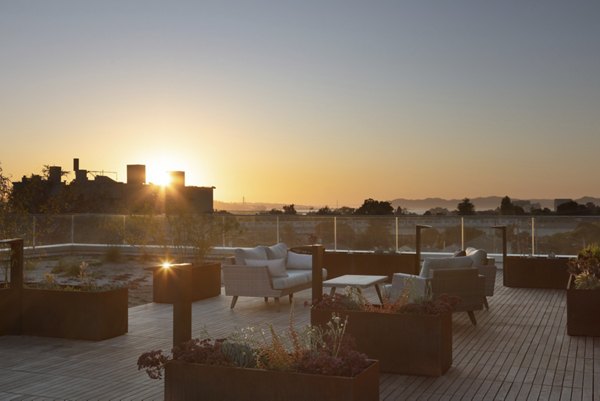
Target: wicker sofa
267	271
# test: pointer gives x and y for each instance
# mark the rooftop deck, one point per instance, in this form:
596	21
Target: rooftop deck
518	351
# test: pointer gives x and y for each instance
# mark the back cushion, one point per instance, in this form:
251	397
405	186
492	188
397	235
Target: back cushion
299	261
430	264
241	255
277	251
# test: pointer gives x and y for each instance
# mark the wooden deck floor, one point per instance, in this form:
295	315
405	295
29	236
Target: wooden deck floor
518	351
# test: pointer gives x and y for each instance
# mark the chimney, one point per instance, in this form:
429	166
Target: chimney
76	165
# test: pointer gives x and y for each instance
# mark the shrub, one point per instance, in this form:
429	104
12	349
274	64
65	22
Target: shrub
586	268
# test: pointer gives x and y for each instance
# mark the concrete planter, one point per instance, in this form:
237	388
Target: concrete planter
82	315
192	381
205	283
403	344
583	312
536	272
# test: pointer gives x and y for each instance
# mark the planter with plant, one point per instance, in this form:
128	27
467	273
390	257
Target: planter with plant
314	364
583	293
84	311
536	272
193	237
406	338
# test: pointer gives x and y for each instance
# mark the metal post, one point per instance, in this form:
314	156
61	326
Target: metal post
397	234
335	233
181	276
533	236
504	248
318	254
419	227
462	233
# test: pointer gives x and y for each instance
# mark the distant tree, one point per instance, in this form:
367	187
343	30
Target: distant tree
437	211
345	210
400	211
374	207
571	208
273	211
506	206
289	209
466	207
325	211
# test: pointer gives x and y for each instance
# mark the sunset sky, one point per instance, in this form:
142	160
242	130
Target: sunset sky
309	102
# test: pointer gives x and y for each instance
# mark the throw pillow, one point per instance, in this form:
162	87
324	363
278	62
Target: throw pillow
460	253
276	266
242	254
299	261
277	251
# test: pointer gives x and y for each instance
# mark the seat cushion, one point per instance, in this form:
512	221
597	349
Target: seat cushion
276	266
277	251
294	278
429	264
241	254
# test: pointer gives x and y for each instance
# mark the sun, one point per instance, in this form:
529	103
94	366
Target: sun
158	176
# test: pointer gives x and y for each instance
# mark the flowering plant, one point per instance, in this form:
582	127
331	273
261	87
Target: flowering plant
586	268
317	350
353	299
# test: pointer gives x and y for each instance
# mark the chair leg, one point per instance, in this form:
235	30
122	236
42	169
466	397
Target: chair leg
291	297
472	317
266	299
233	301
485	303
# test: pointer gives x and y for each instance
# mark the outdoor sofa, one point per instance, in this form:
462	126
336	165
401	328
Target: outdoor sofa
267	271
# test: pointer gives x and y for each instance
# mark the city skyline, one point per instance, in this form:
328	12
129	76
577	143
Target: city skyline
318	103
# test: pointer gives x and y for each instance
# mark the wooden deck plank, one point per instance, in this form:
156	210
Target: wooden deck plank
519	350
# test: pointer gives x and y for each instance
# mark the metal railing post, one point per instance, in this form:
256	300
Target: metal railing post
462	233
334	233
533	236
397	234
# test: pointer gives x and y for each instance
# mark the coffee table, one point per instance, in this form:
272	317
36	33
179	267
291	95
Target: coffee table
358	281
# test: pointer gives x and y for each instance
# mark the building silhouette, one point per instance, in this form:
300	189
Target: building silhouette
95	192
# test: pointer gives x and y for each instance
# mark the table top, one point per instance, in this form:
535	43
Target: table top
354	280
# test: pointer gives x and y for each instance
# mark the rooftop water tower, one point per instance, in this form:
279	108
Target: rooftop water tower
177	178
136	174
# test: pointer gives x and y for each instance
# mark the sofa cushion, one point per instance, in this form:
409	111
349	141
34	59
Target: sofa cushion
295	278
429	264
299	261
277	251
276	266
242	254
479	256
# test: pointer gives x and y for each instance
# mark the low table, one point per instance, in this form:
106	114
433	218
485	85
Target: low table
358	281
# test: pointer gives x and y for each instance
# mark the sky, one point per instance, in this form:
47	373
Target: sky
308	102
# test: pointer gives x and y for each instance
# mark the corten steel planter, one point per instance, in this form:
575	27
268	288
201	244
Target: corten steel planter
83	315
403	344
583	312
535	272
364	263
192	381
206	283
10	311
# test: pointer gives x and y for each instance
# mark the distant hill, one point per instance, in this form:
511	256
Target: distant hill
413	205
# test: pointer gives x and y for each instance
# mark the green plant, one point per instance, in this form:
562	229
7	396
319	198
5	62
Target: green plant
314	350
352	299
586	268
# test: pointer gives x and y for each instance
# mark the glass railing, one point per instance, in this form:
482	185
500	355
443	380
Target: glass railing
526	235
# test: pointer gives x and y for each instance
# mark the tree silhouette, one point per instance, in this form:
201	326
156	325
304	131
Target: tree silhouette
466	207
374	207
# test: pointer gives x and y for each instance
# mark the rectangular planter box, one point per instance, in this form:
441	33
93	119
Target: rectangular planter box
205	283
192	381
536	272
364	263
10	311
583	312
79	315
403	344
